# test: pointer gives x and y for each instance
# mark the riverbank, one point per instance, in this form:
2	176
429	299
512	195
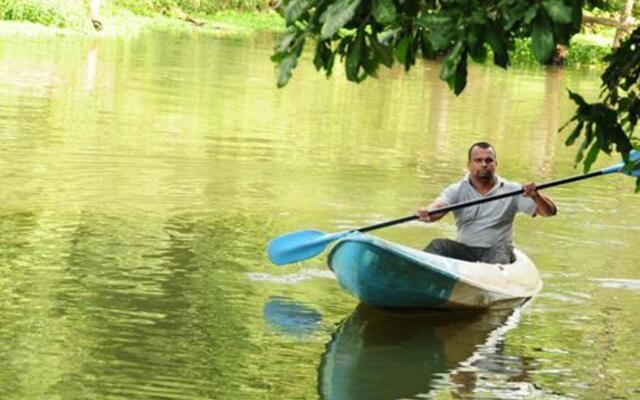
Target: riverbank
586	50
126	23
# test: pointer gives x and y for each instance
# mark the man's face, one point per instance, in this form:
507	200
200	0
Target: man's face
482	164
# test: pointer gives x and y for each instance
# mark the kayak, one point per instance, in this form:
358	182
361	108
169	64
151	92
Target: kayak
386	274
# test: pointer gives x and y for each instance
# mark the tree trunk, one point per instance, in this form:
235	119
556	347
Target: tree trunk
624	21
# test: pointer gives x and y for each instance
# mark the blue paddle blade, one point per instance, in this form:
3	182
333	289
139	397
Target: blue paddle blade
634	159
300	245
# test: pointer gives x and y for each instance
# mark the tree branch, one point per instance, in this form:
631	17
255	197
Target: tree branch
630	22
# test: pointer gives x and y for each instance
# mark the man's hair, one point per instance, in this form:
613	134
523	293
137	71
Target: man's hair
482	145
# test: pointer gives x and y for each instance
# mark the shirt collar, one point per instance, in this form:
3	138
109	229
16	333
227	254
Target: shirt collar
499	184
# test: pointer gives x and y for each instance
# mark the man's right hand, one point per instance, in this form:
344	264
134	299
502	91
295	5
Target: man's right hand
423	215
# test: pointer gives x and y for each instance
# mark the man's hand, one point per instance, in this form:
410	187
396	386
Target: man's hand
423	215
544	206
530	190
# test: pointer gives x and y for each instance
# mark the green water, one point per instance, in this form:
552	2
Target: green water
141	178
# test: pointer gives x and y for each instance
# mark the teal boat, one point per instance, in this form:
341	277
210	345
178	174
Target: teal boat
386	274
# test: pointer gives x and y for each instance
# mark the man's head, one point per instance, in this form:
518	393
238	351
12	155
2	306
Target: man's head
482	162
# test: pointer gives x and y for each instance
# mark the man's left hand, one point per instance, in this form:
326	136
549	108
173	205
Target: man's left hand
530	190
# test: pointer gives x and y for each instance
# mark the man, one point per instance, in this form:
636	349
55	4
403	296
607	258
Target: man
485	231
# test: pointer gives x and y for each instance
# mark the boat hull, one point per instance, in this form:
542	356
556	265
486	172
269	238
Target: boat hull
385	274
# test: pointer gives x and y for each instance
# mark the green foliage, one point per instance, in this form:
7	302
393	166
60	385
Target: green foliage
287	56
558	11
384	11
60	13
295	9
336	16
586	50
542	37
612	120
366	34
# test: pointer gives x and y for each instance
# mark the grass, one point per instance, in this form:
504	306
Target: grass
263	21
58	13
125	16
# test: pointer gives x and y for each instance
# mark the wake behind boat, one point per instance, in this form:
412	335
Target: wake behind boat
386	274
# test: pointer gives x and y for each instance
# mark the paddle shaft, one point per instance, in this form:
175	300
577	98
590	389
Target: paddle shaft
484	200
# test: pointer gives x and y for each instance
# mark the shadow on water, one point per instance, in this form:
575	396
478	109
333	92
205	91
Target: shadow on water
377	354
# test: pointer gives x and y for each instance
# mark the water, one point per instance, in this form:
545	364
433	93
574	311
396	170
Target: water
141	177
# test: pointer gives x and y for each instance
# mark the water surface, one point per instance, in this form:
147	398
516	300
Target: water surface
141	177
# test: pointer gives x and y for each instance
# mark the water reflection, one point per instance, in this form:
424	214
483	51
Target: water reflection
286	316
92	63
376	354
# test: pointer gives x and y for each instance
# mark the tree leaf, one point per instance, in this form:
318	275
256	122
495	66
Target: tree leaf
513	13
441	29
475	40
295	9
370	62
617	135
288	59
591	156
354	59
323	57
461	75
384	11
575	134
450	62
426	48
286	42
634	112
336	16
577	98
585	143
531	13
381	52
498	45
402	48
478	17
285	66
454	68
542	37
558	11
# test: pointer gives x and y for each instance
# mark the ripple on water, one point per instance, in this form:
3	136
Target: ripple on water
610	283
303	275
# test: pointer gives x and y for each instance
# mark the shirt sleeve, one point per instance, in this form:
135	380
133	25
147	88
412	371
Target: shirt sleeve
526	204
450	194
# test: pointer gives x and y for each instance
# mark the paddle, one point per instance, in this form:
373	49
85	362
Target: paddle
301	245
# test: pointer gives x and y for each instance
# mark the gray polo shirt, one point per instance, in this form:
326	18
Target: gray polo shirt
491	223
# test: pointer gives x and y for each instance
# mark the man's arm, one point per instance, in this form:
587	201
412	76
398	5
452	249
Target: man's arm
423	213
544	206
